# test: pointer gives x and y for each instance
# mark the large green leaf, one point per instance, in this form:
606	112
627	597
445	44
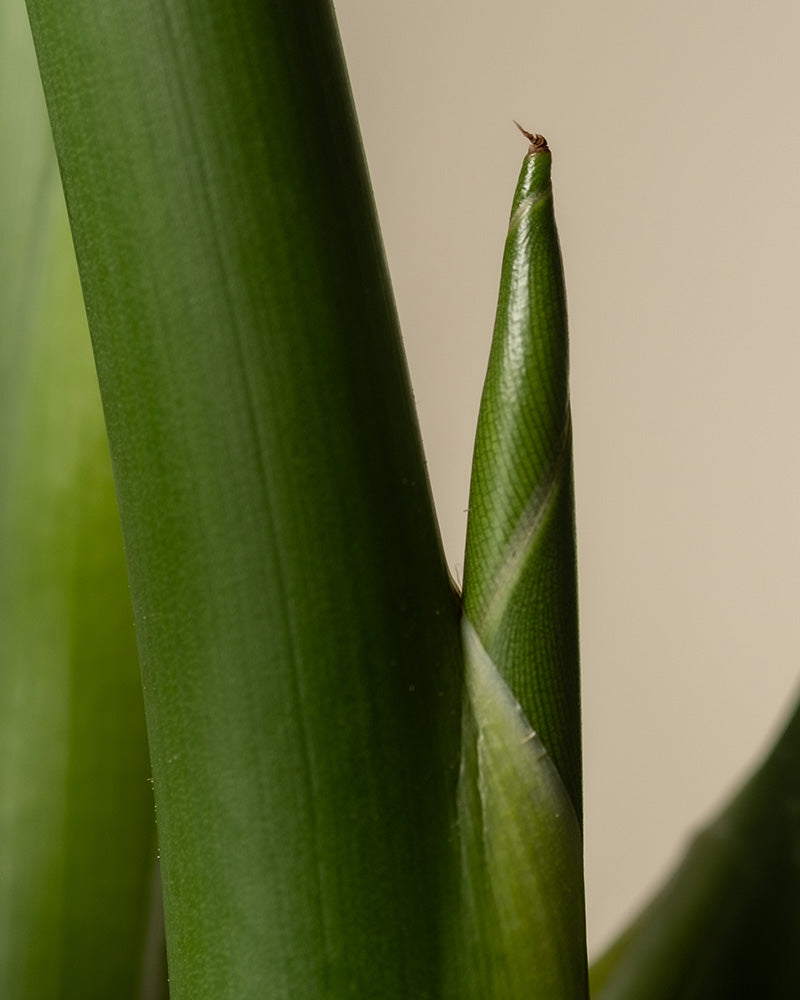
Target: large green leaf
77	835
296	627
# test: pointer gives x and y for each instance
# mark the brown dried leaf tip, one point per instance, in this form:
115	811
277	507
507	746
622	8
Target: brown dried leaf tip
538	143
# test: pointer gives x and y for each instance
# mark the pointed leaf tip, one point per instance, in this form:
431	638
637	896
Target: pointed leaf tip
538	143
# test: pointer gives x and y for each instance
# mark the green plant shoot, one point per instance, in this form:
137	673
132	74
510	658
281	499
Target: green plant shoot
519	572
522	848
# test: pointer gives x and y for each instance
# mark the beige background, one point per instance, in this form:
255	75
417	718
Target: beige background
676	150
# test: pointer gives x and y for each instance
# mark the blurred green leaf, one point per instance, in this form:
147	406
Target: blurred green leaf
727	922
79	898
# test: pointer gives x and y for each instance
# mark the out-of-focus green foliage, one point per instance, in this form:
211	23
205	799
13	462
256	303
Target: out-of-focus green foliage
79	898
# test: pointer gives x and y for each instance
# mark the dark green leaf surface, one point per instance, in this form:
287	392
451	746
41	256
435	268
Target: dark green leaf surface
727	922
296	627
77	835
519	573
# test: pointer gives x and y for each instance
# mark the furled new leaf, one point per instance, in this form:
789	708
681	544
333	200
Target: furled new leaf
520	790
520	589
